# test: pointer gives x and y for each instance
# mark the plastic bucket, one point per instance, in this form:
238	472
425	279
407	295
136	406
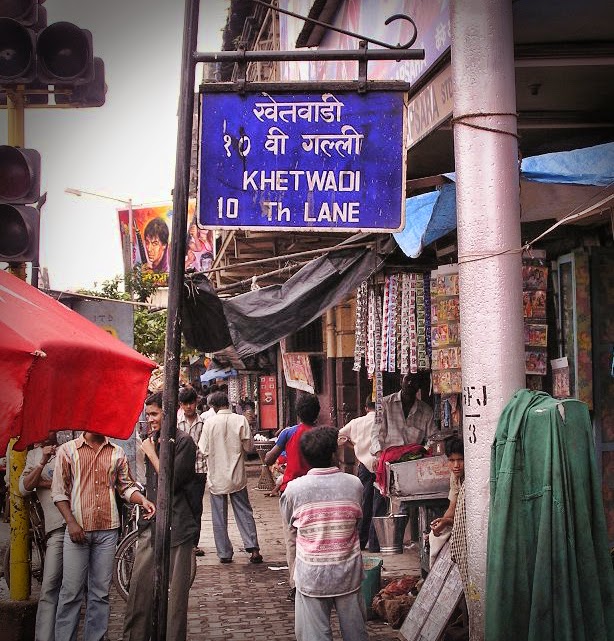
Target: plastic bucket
371	584
390	531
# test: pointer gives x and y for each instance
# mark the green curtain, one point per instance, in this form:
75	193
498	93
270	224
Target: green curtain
549	572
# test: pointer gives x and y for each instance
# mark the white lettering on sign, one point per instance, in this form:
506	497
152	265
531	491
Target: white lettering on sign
333	213
348	142
298	179
328	110
274	211
276	141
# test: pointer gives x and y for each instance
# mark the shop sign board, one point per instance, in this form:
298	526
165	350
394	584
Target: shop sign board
431	106
318	161
116	318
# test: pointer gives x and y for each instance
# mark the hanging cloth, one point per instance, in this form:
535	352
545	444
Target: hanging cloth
549	573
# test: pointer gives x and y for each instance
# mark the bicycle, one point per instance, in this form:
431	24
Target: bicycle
125	555
37	541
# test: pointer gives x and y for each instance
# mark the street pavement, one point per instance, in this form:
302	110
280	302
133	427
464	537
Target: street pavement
243	601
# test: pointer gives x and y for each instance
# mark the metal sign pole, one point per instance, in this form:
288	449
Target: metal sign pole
173	325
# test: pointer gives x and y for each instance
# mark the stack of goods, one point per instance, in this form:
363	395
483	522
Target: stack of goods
534	287
393	333
445	331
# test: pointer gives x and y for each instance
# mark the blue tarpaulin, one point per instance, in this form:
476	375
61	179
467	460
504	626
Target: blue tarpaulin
431	216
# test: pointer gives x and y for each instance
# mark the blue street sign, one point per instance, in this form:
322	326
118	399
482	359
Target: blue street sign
317	161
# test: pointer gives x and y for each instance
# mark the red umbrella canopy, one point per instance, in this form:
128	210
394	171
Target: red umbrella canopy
59	371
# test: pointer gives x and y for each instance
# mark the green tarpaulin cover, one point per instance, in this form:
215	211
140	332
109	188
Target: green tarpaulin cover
549	572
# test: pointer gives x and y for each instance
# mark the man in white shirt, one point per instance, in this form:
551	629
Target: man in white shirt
225	439
36	476
191	423
209	412
405	420
358	433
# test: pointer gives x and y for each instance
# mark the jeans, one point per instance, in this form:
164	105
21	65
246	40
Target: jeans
244	518
50	587
91	561
312	617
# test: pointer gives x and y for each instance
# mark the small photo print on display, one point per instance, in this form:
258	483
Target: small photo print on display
534	277
534	303
536	334
535	362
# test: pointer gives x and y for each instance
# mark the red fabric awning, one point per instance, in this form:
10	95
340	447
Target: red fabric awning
59	371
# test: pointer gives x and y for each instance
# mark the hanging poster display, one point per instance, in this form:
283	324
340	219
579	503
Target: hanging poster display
148	243
445	331
534	289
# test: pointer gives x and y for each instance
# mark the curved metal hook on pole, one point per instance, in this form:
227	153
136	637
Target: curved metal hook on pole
396	16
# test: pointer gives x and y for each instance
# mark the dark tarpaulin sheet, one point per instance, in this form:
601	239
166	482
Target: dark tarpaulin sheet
204	324
549	572
258	319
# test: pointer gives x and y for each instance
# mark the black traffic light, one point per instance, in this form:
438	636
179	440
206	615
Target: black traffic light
64	54
24	11
19	175
60	53
19	186
90	95
17	53
19	233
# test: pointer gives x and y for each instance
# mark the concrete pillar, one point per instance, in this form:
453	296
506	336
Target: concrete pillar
488	213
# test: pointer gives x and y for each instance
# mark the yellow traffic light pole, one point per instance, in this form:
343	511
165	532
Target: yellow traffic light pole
20	544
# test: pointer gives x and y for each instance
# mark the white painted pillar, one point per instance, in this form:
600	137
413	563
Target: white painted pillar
488	211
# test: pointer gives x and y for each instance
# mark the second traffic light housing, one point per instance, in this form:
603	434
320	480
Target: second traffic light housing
19	175
19	186
64	54
19	233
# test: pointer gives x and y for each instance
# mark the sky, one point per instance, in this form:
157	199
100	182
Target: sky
124	149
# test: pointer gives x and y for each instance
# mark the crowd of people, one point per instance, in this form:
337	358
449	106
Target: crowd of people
326	514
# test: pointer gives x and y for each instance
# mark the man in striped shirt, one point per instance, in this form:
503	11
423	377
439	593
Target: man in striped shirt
88	472
324	508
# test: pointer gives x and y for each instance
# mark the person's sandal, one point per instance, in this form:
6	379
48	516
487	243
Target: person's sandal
256	557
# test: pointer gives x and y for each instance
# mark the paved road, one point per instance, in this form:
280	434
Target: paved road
244	602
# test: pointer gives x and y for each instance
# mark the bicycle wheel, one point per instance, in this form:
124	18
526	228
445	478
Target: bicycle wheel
36	569
124	562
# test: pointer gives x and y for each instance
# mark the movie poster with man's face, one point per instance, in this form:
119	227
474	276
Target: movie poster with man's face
148	243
